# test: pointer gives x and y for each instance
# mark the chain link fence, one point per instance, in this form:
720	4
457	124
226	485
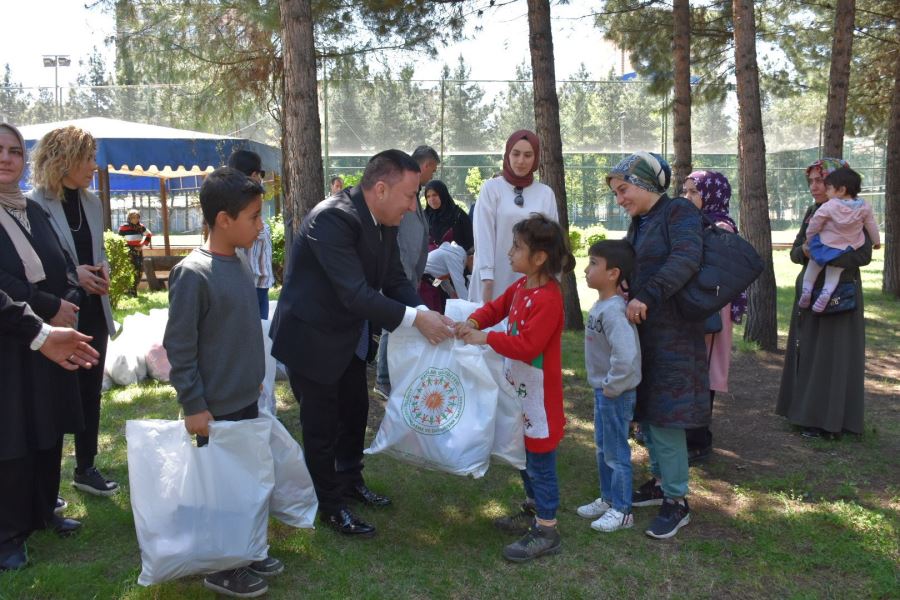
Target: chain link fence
467	122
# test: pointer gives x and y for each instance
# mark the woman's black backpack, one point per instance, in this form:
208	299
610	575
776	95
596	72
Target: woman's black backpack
728	267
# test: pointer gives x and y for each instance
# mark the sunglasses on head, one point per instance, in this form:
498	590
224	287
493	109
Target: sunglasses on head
519	199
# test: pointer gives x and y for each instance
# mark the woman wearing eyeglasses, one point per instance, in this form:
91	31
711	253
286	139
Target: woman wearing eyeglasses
503	202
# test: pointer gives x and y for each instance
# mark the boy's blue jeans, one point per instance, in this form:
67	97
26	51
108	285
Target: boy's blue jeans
540	482
611	419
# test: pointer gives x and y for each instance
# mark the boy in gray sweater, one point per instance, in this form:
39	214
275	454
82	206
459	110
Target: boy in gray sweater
213	338
612	356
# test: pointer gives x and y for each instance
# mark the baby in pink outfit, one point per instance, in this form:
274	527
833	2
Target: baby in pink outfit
835	228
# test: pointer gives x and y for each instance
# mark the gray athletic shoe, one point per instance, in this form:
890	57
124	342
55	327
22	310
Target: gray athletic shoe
537	541
518	522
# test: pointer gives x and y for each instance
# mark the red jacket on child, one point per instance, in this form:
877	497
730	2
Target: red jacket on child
532	346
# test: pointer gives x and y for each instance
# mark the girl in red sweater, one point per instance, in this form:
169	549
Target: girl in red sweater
532	347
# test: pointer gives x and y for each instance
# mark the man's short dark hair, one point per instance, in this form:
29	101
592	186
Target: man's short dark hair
845	177
425	153
229	190
617	253
245	161
387	166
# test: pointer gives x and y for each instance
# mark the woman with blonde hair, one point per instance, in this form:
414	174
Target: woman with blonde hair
63	165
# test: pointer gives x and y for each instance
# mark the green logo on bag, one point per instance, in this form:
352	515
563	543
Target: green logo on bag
434	403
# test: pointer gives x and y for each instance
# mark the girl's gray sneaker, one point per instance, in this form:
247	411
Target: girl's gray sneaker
538	541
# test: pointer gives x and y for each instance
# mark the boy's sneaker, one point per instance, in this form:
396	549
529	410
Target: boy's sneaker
519	522
383	391
613	520
237	583
267	567
672	517
593	510
649	494
537	541
93	482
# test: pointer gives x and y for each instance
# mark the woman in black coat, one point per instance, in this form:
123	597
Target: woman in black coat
674	391
447	222
40	399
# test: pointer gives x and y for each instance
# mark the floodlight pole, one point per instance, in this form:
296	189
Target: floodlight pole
56	61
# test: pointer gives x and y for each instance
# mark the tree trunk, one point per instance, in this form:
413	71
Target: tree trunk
891	283
762	321
681	41
839	78
546	118
301	136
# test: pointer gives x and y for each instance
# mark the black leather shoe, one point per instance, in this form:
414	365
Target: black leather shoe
362	493
344	521
14	561
64	527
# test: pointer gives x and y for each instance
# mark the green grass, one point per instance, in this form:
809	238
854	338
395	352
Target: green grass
815	520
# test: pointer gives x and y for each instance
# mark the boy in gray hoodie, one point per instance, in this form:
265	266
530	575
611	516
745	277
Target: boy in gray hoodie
612	356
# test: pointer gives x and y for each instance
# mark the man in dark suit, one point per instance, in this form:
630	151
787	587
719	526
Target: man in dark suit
344	282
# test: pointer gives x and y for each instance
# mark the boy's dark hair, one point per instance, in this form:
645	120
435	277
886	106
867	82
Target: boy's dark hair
245	161
335	178
617	253
229	190
540	233
423	153
387	166
845	177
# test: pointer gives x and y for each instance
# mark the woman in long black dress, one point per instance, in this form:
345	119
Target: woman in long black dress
40	400
63	167
822	385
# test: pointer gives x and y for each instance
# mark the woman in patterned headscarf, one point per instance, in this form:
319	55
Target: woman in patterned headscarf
673	395
711	193
822	389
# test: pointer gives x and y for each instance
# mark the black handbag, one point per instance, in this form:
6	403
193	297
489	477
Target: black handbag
728	267
842	300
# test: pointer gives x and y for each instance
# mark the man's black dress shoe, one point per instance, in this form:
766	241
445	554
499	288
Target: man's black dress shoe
363	494
14	561
64	527
344	521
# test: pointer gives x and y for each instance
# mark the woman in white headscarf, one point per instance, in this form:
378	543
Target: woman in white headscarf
40	399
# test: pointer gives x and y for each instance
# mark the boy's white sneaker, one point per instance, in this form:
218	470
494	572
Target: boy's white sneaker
613	520
594	509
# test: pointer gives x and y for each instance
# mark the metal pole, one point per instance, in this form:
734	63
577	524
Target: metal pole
443	97
56	89
326	170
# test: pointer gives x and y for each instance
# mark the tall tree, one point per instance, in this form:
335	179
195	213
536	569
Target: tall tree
839	77
681	57
13	99
301	146
891	282
762	320
546	117
467	114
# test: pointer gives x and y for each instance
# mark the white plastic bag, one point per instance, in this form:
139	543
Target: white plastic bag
440	414
293	500
509	431
199	510
266	400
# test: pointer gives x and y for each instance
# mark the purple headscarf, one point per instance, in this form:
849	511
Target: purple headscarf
715	193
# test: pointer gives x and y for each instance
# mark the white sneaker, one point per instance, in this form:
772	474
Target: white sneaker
613	520
594	509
